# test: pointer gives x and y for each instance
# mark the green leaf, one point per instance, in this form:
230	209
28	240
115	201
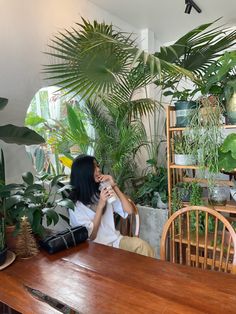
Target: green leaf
34	188
52	216
39	159
57	178
229	145
65	218
19	135
28	178
13	200
66	203
226	162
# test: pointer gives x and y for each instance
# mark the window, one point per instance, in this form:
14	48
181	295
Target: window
64	123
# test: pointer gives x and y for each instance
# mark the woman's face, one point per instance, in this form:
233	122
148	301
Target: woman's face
97	172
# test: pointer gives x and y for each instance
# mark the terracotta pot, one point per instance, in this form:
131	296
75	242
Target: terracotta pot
10	238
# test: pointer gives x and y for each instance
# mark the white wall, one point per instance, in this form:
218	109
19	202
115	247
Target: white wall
26	27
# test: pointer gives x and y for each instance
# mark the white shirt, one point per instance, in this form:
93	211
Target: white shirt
107	234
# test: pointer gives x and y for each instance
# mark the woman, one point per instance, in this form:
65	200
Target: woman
94	211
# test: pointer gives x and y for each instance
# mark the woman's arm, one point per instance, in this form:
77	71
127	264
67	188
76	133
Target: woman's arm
99	212
126	205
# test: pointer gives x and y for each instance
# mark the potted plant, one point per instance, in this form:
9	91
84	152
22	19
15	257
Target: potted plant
183	150
36	198
152	190
13	134
218	195
206	135
184	104
220	80
186	192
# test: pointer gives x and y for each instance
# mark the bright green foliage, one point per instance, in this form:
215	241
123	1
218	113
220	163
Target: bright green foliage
95	59
227	153
34	199
153	182
220	78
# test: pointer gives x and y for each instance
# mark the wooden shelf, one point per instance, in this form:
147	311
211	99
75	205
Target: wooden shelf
174	166
230	207
200	180
224	126
177	174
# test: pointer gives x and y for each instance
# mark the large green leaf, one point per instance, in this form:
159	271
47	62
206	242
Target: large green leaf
96	58
226	162
66	203
229	145
19	135
197	49
28	178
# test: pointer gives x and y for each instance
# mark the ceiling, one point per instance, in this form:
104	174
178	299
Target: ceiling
166	17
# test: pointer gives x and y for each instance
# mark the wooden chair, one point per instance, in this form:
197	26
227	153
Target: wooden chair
130	225
186	239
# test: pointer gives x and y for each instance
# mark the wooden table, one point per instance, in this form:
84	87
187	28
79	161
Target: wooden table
93	278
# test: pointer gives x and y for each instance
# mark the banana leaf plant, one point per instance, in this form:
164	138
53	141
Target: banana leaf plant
10	133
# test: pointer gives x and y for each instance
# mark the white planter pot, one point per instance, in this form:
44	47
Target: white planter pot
185	160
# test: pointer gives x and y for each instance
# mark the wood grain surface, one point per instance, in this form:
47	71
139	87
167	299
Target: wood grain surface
93	278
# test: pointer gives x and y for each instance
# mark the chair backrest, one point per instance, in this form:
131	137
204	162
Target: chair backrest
201	237
130	225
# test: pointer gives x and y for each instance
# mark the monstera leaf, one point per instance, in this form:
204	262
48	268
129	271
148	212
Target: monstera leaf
18	135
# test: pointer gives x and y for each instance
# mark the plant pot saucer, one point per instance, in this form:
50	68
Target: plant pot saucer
9	260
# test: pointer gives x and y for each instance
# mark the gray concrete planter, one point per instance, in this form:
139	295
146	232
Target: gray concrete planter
152	221
185	160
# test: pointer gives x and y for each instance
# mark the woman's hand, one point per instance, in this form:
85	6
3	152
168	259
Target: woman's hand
107	177
104	195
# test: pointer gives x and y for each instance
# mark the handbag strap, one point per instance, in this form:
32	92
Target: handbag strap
73	238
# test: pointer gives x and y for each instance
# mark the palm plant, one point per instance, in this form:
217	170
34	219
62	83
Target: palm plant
195	51
105	66
118	139
98	63
95	60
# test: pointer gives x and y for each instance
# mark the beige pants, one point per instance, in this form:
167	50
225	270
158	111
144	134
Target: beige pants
136	245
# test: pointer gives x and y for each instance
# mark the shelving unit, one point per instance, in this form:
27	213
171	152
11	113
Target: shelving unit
177	173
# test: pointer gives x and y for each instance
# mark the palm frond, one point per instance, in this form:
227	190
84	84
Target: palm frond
197	49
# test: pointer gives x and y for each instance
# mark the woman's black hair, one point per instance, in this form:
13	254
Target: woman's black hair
84	187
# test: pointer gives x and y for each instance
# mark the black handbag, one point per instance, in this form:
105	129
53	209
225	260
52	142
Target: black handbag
64	239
